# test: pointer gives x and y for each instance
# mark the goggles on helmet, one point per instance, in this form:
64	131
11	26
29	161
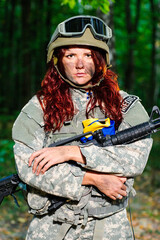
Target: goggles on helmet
77	25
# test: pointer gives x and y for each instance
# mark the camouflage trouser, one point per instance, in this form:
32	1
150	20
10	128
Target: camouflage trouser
115	227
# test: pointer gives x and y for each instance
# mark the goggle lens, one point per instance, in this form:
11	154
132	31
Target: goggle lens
78	24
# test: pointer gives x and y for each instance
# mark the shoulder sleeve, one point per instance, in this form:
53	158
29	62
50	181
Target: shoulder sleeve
28	127
132	110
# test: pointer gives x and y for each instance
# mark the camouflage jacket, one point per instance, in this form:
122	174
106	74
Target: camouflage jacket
64	180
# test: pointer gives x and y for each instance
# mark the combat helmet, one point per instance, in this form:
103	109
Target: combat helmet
80	30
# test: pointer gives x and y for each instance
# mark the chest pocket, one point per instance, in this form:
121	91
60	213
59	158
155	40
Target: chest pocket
68	130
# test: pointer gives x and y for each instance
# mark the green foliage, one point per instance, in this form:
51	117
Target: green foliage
154	162
95	4
7	164
71	3
142	49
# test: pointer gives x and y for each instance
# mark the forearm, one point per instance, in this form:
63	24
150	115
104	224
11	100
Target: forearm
108	184
75	154
45	158
126	160
61	180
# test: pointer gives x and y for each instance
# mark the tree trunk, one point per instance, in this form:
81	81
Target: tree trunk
153	86
7	71
12	75
25	81
132	28
108	19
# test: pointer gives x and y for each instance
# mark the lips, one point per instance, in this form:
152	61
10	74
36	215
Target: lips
80	74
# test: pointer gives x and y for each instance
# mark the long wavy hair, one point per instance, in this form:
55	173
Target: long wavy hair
56	100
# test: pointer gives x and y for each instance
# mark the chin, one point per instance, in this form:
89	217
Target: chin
82	82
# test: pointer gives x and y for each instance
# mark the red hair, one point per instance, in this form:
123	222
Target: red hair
56	97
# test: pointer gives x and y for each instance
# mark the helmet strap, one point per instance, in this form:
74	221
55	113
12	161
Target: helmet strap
76	85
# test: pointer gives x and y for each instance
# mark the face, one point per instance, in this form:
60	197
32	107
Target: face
78	65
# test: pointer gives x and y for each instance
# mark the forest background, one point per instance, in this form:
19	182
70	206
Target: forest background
25	29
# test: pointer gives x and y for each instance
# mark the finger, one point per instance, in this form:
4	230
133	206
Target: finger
113	197
119	196
123	179
46	167
124	187
37	161
33	156
123	193
41	166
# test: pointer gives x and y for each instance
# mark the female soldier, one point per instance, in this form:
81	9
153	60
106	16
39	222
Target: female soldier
93	182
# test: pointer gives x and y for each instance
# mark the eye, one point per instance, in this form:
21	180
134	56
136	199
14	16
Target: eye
88	55
69	56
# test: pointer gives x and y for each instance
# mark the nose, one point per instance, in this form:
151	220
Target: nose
79	63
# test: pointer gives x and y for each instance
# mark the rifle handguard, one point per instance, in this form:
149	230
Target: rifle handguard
135	133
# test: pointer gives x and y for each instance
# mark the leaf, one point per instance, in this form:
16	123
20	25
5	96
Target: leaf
105	8
72	3
95	4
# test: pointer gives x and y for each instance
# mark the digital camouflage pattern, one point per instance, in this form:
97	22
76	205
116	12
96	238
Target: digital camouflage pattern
114	227
86	207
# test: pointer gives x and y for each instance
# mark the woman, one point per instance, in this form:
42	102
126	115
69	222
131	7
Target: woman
93	182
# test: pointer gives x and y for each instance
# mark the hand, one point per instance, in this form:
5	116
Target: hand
47	157
111	185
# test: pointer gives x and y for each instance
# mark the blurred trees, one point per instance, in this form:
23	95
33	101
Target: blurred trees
26	26
136	24
25	29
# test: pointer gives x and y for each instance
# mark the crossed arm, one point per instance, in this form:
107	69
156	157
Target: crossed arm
100	167
110	185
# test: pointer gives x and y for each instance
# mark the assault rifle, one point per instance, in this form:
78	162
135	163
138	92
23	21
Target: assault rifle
9	185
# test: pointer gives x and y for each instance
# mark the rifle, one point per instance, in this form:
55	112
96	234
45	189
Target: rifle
9	185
